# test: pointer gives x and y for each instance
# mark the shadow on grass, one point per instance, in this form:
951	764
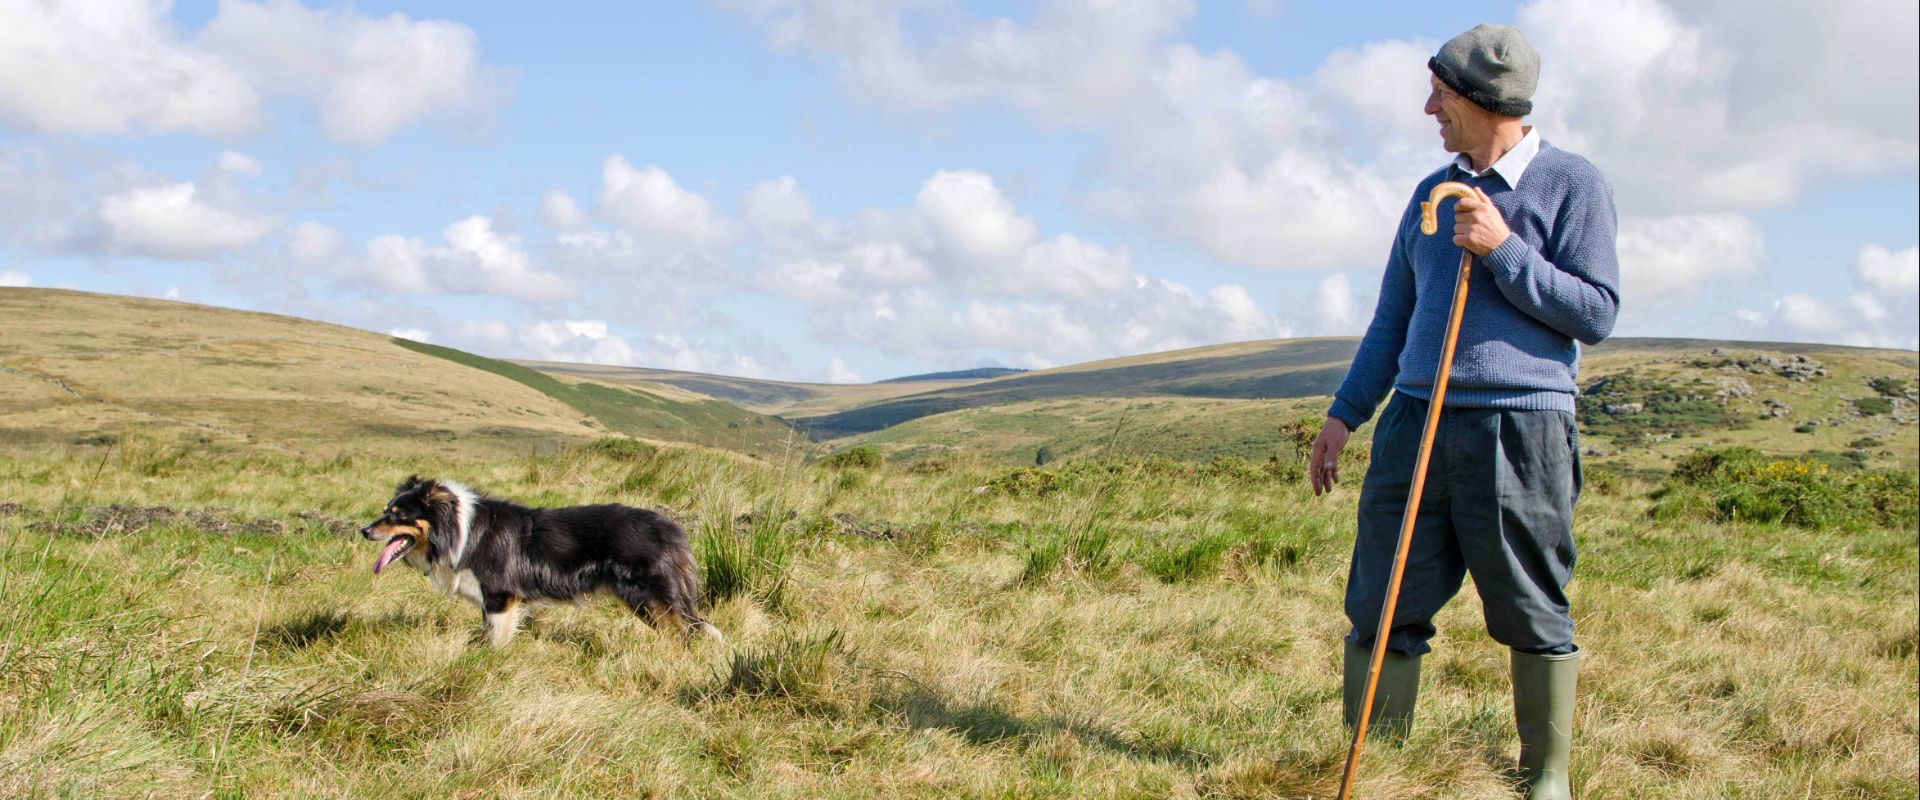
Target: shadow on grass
988	723
310	628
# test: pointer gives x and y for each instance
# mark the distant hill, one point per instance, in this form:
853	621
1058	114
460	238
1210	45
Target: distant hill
1267	369
983	373
1645	402
77	367
1271	369
762	396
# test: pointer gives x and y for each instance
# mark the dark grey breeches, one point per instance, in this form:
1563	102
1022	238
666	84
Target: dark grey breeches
1498	504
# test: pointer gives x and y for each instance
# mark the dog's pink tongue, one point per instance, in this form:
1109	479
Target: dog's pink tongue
389	553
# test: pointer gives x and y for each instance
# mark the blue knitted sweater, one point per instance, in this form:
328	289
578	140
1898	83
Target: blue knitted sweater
1554	281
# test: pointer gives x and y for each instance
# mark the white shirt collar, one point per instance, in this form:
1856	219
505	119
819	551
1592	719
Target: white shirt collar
1510	165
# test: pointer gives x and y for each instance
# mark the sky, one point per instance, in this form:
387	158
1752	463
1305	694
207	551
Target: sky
852	190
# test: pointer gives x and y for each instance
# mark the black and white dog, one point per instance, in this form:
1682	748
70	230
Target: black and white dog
501	555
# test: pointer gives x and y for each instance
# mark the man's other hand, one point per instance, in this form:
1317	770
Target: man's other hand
1323	467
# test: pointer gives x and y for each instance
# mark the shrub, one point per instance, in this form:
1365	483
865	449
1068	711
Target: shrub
1026	482
616	448
1740	484
1889	386
1873	406
1664	407
932	465
864	456
1042	456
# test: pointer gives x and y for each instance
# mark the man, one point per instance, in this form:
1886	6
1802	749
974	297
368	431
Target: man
1505	470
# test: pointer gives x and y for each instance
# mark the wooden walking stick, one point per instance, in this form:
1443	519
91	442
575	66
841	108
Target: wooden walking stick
1428	225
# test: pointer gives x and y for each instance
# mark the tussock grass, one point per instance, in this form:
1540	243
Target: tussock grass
1143	629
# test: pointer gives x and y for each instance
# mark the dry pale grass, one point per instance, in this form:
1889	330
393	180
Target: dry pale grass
912	649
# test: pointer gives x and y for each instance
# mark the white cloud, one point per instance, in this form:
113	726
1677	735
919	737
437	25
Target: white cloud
170	222
366	76
1887	272
1333	304
1701	108
238	164
973	219
1715	105
579	341
1670	262
118	66
962	271
837	372
472	258
673	351
311	244
1883	312
15	278
112	67
561	213
415	334
648	202
1076	60
776	206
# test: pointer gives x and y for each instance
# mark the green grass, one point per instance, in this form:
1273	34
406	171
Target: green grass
634	412
1146	628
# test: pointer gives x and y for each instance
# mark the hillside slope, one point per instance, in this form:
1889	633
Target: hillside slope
80	367
1247	370
1646	401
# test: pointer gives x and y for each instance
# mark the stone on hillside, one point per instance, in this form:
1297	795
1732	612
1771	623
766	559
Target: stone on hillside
1623	409
1732	387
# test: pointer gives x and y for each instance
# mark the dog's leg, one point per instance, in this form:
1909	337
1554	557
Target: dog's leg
503	618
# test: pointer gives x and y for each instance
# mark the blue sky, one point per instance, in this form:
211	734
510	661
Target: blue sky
832	190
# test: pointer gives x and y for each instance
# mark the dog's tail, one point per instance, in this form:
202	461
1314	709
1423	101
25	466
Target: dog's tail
686	598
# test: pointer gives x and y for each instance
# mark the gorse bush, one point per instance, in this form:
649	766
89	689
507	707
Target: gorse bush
1740	484
1026	482
865	456
619	449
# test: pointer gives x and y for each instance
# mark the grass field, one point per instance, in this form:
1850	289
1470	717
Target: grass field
1135	628
1154	612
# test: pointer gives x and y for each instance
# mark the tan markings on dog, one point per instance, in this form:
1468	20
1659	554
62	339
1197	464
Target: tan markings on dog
417	529
439	496
501	626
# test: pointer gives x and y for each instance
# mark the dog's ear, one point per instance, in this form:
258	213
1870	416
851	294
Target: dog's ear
411	483
437	495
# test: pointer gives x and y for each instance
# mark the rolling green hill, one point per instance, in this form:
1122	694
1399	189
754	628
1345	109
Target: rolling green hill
1646	402
1250	370
87	368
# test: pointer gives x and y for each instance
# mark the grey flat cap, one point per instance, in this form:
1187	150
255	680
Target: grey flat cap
1493	66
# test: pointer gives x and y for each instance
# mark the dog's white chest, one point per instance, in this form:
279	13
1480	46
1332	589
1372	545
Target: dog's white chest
459	584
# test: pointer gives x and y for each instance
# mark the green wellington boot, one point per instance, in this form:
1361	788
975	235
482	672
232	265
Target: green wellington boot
1543	713
1393	697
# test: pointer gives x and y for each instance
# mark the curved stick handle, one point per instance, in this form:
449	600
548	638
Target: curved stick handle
1429	224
